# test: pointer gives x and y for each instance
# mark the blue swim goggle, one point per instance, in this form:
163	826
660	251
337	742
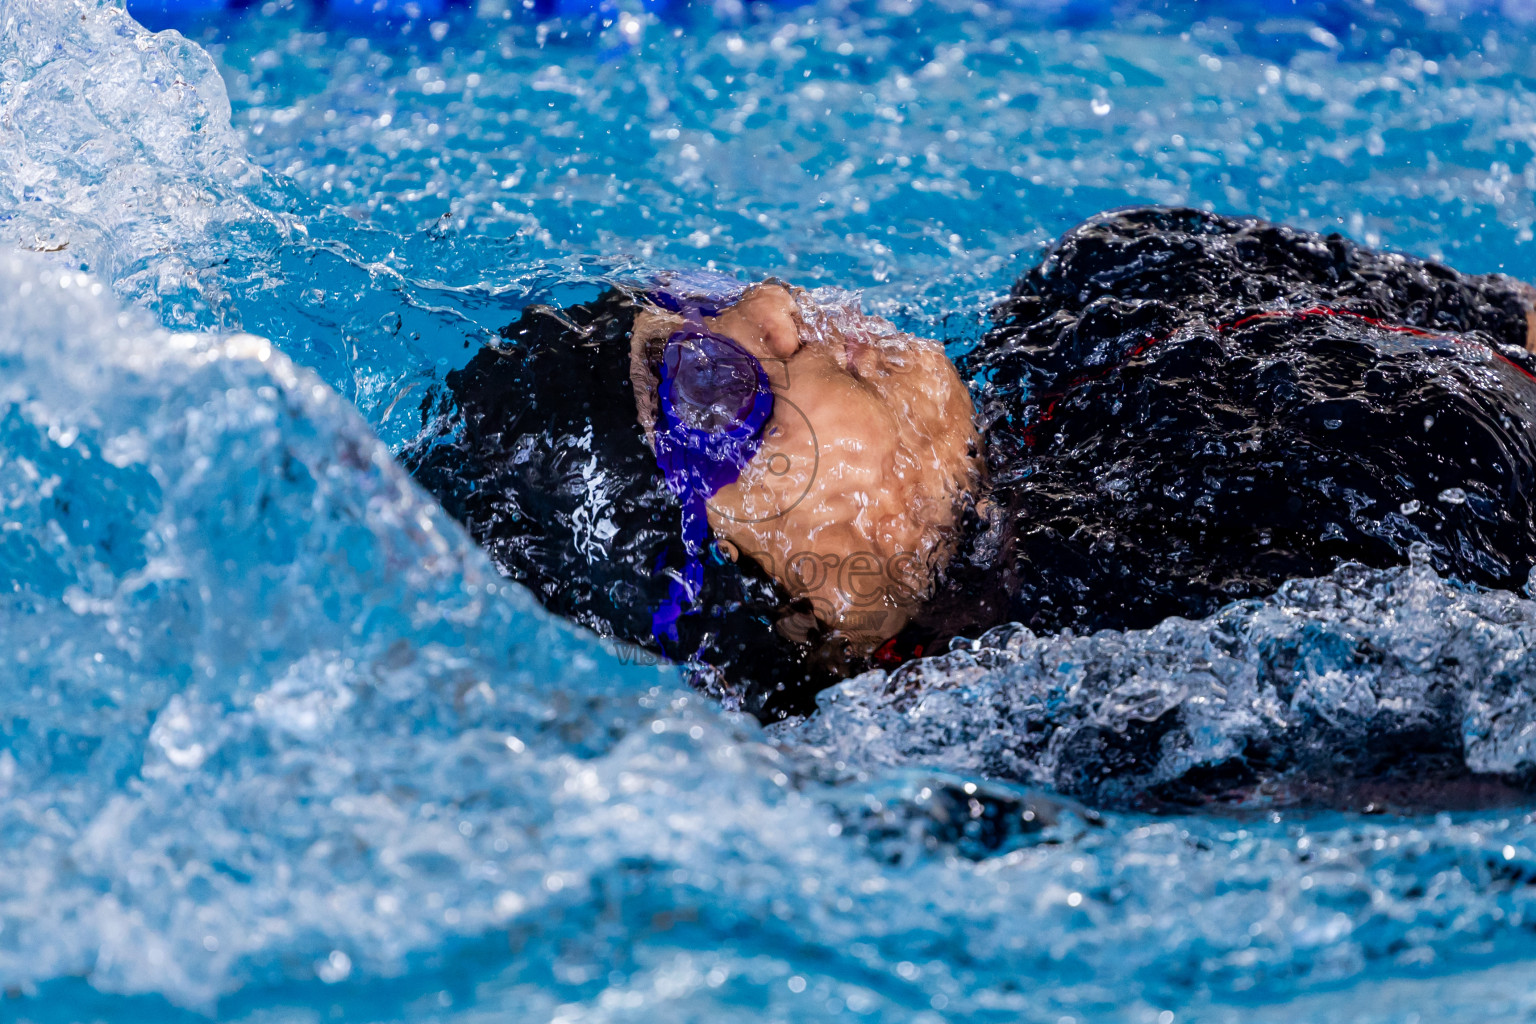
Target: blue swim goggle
714	401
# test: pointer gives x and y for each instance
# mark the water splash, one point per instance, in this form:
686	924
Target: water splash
277	740
1366	682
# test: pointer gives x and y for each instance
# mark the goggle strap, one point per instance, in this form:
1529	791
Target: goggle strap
683	593
692	471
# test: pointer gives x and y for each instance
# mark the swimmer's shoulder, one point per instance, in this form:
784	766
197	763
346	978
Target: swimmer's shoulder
1147	251
1153	267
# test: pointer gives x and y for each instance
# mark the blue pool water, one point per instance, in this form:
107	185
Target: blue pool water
276	742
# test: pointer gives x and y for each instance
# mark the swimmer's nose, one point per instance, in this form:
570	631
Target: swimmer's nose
781	336
773	307
763	323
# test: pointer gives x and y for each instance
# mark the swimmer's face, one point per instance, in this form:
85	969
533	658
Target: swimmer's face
853	498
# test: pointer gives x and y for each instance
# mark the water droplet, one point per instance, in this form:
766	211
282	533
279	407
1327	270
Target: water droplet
1429	421
335	967
1408	508
1333	424
1453	496
509	904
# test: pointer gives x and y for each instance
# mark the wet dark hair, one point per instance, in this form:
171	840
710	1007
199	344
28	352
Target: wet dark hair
536	448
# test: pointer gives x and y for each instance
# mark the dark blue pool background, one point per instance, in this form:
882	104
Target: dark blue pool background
922	153
280	746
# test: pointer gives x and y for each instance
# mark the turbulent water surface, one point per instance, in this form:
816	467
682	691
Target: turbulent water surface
278	744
